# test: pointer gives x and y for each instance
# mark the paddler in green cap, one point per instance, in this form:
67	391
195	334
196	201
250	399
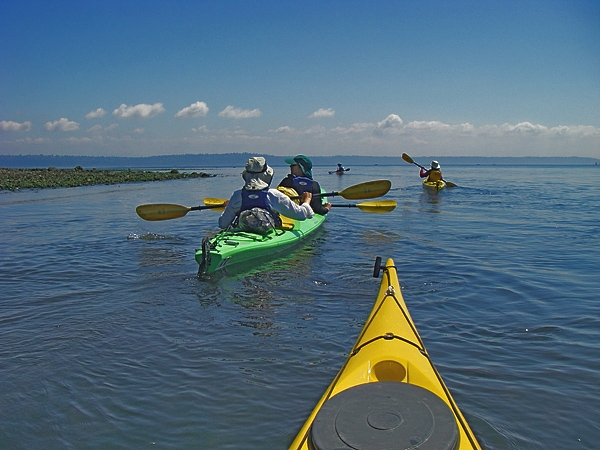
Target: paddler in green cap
300	178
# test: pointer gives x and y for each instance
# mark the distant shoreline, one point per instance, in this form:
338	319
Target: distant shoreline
15	179
205	161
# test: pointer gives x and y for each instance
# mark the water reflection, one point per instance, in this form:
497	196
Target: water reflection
430	201
259	287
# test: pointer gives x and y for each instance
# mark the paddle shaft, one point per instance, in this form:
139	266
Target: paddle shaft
376	206
201	207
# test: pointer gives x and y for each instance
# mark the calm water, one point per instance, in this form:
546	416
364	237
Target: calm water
108	339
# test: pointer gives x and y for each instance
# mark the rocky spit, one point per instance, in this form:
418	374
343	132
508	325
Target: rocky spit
14	179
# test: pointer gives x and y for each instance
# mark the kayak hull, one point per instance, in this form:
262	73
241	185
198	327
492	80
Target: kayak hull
390	366
434	185
233	248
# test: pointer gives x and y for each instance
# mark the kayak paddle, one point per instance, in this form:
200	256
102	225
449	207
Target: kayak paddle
376	207
409	160
167	211
338	171
361	191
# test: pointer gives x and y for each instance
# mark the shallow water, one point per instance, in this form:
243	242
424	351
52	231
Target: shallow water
109	340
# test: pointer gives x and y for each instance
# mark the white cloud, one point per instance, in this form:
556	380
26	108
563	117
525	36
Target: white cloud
33	141
466	127
61	125
316	129
432	125
524	127
232	112
95	114
321	112
202	129
9	125
391	121
99	128
78	141
198	109
95	129
581	130
139	131
284	130
141	111
354	128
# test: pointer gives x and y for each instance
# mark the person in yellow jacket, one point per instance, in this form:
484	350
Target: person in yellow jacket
433	174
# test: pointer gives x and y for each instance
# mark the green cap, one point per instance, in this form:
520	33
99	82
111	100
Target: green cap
304	162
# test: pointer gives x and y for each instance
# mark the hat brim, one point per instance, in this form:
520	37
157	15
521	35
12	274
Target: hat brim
290	161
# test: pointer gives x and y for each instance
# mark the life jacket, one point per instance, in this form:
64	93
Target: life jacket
302	184
434	175
258	199
290	192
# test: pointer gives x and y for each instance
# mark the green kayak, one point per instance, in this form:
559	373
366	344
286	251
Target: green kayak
230	247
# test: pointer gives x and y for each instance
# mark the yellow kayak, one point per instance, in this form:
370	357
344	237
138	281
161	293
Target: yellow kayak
436	185
388	393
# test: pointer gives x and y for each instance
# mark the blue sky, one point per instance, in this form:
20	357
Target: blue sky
443	78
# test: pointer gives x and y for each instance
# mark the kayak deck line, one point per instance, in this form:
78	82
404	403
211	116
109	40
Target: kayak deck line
388	393
390	335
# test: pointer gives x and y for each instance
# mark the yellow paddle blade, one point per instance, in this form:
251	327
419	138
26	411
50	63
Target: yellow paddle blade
377	207
369	189
161	211
407	158
218	202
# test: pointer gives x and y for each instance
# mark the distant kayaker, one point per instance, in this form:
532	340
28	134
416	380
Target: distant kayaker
340	168
255	207
434	173
300	178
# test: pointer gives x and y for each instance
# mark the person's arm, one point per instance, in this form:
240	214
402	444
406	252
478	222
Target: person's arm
423	173
286	207
231	210
317	203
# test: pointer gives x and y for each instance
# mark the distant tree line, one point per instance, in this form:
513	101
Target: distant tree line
203	160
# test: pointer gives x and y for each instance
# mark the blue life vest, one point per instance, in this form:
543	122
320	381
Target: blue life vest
258	199
302	185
